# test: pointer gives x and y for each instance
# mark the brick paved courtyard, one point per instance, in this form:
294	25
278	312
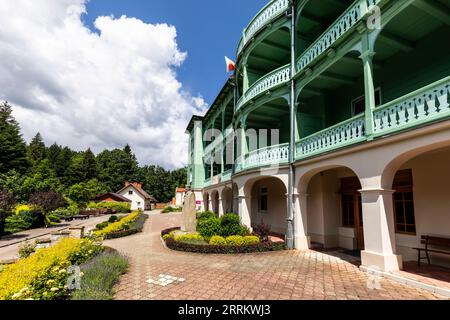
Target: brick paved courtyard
157	273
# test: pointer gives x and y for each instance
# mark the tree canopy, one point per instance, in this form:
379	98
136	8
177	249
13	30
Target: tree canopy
79	176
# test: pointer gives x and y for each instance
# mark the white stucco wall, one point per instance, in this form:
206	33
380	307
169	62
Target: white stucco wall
277	205
431	187
135	198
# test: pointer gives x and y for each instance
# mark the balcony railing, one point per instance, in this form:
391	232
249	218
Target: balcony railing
424	105
273	155
226	176
270	81
340	135
267	14
341	26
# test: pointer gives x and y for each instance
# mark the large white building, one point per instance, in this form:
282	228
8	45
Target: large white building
362	161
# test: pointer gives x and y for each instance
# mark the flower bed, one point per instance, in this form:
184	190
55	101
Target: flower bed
100	275
43	275
122	227
223	249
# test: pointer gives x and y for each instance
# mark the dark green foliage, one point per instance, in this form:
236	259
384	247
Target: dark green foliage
204	215
36	150
48	201
230	225
113	219
79	176
16	223
6	204
34	218
13	148
102	225
100	276
209	227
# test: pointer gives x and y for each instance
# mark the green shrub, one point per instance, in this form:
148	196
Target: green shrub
16	223
204	215
217	241
100	276
113	219
235	240
35	218
70	211
251	240
188	237
101	225
26	249
54	218
209	227
230	225
120	207
166	236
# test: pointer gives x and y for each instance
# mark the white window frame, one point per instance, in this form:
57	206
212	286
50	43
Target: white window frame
266	193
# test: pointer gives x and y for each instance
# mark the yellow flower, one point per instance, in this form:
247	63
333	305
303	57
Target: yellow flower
54	289
50	282
17	295
62	271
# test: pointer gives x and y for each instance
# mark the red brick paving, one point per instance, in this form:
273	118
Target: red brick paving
263	276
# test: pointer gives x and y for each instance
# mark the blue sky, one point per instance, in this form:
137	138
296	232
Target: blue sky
207	29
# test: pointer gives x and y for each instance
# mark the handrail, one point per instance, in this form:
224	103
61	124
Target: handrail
269	81
344	133
329	37
278	6
423	105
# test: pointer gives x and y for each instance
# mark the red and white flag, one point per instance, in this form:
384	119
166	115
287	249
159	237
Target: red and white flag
230	64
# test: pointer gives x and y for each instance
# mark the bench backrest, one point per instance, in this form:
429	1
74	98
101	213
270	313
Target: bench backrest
436	241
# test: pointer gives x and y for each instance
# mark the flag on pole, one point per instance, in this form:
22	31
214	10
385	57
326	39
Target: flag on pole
230	64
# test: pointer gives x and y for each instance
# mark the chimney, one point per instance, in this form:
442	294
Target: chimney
126	183
137	185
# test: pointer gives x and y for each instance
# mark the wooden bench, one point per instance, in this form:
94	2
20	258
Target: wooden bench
437	244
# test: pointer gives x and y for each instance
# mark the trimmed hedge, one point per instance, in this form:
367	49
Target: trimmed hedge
121	207
135	227
227	249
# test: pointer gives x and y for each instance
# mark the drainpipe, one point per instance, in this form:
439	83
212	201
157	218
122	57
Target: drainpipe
290	216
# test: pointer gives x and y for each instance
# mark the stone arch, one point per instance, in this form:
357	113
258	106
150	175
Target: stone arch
227	200
215	201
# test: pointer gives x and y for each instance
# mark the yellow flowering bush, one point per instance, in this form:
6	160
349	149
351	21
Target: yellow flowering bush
22	207
122	224
43	275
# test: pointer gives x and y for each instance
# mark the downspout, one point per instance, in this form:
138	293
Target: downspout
290	215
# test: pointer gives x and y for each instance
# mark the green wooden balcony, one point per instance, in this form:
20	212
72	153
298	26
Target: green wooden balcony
268	156
340	135
335	32
422	106
270	81
266	15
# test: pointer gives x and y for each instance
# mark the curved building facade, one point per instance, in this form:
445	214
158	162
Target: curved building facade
335	127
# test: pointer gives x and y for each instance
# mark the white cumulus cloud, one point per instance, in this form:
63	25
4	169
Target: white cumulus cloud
99	89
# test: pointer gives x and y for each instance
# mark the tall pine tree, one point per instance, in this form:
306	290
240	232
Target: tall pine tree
13	147
36	149
89	165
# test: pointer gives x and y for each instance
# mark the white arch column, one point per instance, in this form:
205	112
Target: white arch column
379	230
244	210
301	239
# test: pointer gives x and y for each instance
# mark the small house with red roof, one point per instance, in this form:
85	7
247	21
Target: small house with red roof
140	199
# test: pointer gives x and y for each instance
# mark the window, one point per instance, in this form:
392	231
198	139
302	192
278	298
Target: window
263	196
130	192
404	216
348	210
359	104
